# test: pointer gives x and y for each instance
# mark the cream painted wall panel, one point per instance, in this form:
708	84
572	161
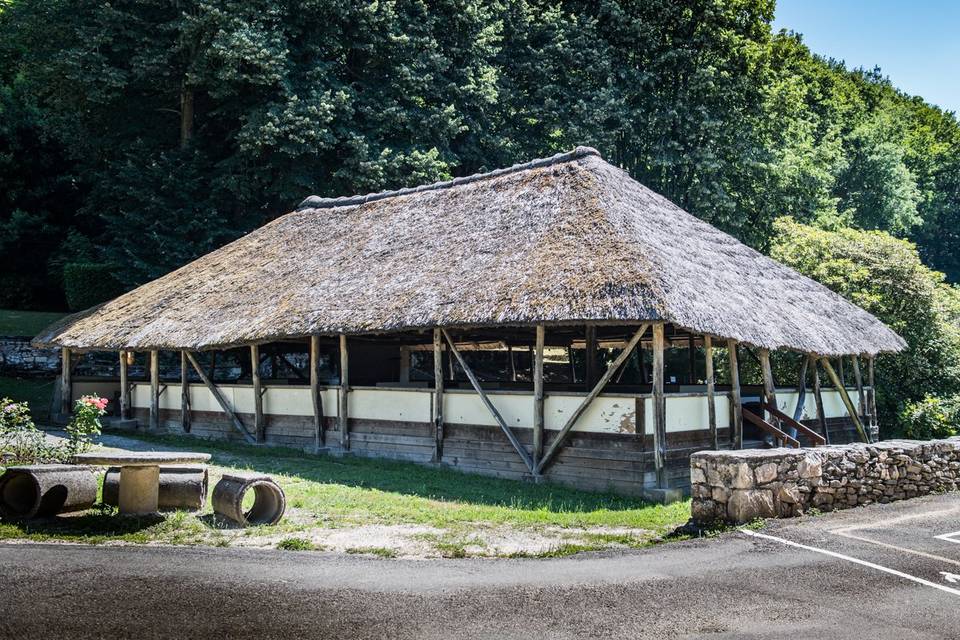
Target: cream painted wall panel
468	408
383	404
604	415
104	389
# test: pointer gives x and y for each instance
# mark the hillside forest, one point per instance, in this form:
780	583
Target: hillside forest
137	135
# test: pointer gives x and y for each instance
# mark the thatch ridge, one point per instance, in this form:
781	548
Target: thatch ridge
563	240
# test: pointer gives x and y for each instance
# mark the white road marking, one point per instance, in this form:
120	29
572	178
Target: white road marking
834	554
845	532
949	537
950	577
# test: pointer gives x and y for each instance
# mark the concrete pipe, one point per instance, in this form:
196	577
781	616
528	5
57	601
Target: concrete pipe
181	488
268	505
46	490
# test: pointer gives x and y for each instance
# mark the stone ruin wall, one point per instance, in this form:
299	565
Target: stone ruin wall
739	486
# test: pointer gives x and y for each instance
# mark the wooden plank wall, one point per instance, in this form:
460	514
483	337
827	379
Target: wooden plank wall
592	461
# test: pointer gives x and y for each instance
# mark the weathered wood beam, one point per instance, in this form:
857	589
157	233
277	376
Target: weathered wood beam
798	426
437	395
185	417
858	381
835	379
316	394
659	409
769	388
343	412
711	400
527	460
874	419
222	401
66	383
260	425
736	400
154	389
769	428
801	390
590	355
818	397
561	437
124	387
538	398
404	365
692	358
513	363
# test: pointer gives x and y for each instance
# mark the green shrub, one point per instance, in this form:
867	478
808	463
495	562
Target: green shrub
20	440
931	417
295	544
87	284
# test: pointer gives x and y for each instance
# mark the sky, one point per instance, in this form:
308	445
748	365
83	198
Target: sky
914	42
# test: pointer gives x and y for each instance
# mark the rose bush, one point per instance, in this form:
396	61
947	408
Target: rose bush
85	422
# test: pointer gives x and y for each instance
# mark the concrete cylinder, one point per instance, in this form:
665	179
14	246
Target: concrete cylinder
45	490
269	499
181	488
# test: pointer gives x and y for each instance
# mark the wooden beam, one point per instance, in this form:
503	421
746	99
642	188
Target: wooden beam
590	355
585	403
343	412
184	393
798	426
801	390
692	358
659	409
769	389
66	383
858	380
538	398
124	388
835	379
404	365
222	401
319	432
154	389
437	394
513	363
527	460
769	428
711	401
874	420
736	401
818	397
260	425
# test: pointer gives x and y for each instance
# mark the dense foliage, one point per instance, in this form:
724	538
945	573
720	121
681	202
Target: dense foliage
21	442
885	276
139	135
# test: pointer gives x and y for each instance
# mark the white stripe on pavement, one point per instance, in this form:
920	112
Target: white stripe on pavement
841	556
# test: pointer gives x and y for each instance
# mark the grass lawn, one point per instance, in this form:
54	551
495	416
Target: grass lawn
385	508
26	323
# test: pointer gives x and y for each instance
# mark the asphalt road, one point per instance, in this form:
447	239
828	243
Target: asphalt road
877	572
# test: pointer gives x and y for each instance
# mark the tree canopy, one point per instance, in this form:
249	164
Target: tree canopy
139	135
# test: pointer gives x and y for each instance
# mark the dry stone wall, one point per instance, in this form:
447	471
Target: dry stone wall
740	486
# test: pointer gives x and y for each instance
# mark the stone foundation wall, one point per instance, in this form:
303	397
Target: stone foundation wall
17	357
740	486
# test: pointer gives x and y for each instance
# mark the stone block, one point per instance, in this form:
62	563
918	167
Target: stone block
810	466
745	505
766	473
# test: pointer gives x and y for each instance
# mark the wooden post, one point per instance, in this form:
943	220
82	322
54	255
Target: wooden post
259	424
874	420
736	402
344	410
475	383
692	356
711	403
66	384
319	433
438	394
769	389
858	380
659	409
218	396
538	400
404	365
835	379
801	390
154	389
184	393
590	356
585	403
513	363
124	387
818	398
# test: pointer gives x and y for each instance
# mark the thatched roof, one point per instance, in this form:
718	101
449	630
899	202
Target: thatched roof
566	239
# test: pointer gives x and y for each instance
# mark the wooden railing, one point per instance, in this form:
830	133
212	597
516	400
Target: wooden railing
800	427
769	428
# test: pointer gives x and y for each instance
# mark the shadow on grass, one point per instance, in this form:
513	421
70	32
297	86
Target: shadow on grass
93	526
402	477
